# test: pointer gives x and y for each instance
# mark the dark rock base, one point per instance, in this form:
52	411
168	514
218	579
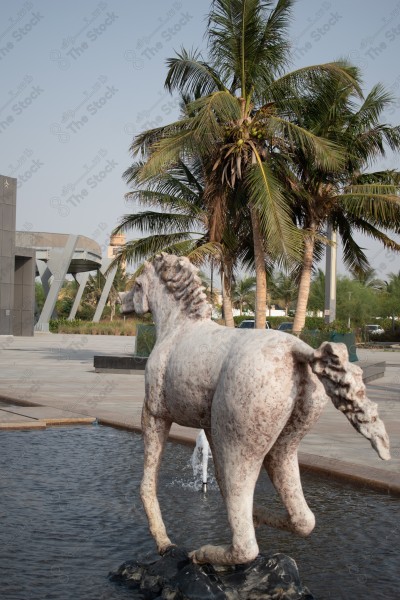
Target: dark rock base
175	577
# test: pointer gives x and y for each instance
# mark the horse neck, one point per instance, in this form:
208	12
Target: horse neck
166	311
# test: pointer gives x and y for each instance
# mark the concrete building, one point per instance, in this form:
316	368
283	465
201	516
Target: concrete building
58	255
25	255
17	269
116	242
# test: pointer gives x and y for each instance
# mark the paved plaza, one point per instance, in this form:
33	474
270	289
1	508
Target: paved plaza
49	380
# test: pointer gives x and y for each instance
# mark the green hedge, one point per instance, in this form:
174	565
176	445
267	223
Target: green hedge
117	327
311	322
145	339
274	321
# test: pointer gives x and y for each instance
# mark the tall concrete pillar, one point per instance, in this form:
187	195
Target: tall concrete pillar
45	275
8	199
330	277
60	259
82	279
106	290
24	291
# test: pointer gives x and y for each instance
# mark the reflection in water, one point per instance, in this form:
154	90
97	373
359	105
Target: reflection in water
70	512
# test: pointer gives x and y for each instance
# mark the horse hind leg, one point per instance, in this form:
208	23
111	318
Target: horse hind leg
283	470
282	466
155	434
213	452
237	487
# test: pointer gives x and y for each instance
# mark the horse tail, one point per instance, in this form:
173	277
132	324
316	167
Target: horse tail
345	387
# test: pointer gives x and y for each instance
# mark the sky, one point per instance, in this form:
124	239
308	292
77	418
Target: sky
80	79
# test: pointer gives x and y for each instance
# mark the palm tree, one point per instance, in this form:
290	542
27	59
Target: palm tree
243	293
239	124
392	299
356	303
368	278
179	224
285	290
93	290
121	282
211	293
317	292
346	198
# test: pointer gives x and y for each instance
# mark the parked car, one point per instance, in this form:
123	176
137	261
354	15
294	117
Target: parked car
374	330
286	326
249	324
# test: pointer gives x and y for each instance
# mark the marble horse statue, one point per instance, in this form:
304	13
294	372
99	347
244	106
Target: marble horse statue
255	393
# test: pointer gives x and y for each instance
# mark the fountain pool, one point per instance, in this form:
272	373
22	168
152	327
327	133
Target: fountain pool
70	512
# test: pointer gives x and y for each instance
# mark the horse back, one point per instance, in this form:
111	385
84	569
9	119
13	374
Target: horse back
204	355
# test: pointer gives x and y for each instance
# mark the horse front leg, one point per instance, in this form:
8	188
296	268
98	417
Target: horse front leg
155	434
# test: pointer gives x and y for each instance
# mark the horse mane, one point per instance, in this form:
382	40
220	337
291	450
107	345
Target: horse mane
181	279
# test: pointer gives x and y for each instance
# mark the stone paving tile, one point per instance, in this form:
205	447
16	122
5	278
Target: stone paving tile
56	371
8	417
11	421
16	426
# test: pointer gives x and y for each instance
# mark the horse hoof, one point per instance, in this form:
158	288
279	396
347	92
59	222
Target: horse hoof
196	557
165	549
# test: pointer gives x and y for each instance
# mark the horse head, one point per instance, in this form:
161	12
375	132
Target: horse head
136	299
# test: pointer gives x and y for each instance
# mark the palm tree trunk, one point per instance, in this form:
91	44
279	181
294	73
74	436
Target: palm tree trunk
305	282
261	276
226	299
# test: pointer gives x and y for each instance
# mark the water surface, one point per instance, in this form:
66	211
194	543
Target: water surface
70	512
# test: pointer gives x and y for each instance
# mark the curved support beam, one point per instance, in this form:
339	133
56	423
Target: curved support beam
58	267
106	290
82	279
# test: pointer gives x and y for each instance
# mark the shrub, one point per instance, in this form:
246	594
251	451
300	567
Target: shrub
273	321
145	339
116	327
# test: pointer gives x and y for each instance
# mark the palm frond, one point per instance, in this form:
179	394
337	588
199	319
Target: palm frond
299	82
143	248
374	104
354	256
387	177
381	209
164	223
325	153
213	111
203	253
191	76
265	194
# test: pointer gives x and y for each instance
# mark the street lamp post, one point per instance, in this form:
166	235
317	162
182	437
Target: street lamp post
330	277
348	320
